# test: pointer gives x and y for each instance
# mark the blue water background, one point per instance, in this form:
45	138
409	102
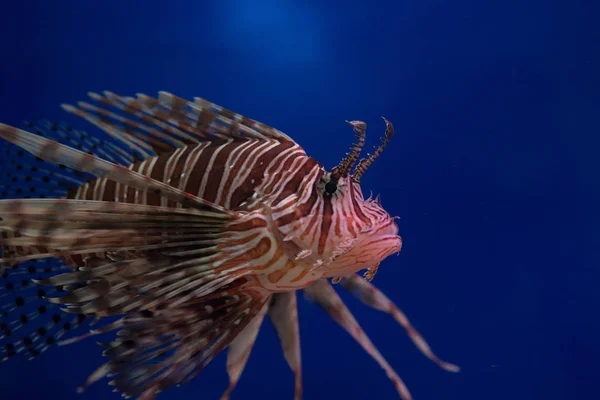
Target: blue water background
493	171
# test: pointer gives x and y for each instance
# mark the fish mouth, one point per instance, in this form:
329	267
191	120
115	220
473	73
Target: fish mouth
392	243
399	245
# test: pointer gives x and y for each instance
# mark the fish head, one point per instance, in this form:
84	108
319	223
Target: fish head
363	232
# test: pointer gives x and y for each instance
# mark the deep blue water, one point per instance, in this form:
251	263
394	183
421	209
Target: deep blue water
493	170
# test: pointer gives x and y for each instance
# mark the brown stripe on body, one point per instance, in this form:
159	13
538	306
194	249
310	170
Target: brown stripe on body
326	220
348	222
357	209
298	212
246	189
158	174
286	219
196	175
301	210
256	176
296	179
216	171
270	156
146	170
131	191
246	152
309	228
338	225
87	190
175	178
109	191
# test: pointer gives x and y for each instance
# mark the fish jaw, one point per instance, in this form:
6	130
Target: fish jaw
367	253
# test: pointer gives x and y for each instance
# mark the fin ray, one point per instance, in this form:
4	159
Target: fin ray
326	297
57	153
239	350
374	298
284	316
155	125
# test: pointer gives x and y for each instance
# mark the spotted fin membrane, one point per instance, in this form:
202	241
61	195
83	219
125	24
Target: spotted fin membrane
29	323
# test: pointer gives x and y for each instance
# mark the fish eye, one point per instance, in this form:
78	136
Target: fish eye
330	187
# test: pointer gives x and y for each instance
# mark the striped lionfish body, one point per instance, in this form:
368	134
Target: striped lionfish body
189	223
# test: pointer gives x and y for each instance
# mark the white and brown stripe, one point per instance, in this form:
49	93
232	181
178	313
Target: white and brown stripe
244	166
205	206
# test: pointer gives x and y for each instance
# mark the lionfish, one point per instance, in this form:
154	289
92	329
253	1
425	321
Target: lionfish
181	229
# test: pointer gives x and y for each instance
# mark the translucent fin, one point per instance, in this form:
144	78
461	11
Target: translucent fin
150	125
325	296
29	325
170	347
239	350
373	297
177	274
55	152
151	250
26	176
66	227
284	315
